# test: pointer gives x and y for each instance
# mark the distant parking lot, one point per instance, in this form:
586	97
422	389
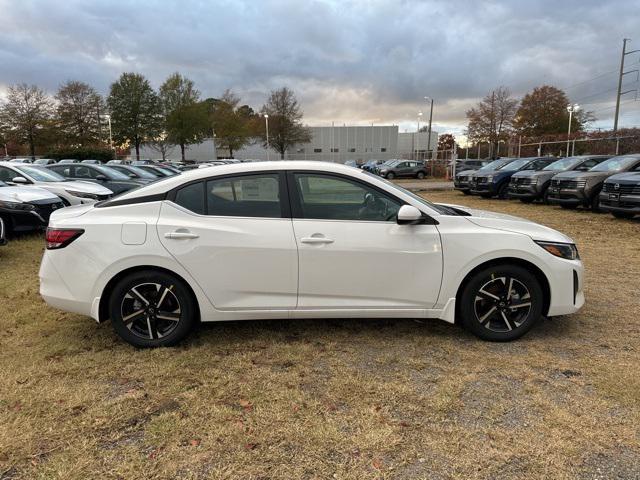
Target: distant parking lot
347	399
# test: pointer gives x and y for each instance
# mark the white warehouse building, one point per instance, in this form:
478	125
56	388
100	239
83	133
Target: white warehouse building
331	143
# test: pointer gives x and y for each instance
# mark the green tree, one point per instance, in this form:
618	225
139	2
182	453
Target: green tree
135	110
26	115
232	123
285	121
78	111
492	119
185	119
543	111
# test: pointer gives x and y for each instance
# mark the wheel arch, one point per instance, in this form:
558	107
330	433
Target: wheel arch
103	308
539	274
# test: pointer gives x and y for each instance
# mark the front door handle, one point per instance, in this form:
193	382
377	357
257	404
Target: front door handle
180	235
316	240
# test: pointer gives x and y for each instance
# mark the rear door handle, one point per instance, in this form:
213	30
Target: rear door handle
180	235
316	240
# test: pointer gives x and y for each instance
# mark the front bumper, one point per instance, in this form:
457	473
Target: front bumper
566	287
567	196
524	191
483	188
614	202
463	186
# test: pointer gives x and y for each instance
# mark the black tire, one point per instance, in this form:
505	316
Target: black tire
154	327
526	200
545	196
623	215
466	192
420	175
503	191
485	316
390	176
568	207
595	203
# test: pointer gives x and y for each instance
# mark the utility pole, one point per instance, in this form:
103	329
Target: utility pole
429	130
622	74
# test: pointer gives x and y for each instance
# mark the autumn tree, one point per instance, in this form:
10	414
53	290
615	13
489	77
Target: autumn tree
78	113
492	119
446	141
135	110
232	122
185	118
26	114
544	111
285	121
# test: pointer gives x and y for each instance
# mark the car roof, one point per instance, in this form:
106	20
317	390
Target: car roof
167	183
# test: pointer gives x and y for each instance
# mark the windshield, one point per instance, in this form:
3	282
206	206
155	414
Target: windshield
515	165
40	174
493	165
614	164
111	172
141	172
563	164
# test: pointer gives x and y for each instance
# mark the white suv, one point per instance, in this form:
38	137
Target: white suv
300	240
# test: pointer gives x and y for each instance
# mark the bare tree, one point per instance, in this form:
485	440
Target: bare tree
26	113
285	125
161	144
492	119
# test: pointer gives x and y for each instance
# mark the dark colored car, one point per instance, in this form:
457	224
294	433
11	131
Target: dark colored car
530	185
157	170
496	182
462	165
462	178
620	195
114	180
136	173
573	189
26	208
402	168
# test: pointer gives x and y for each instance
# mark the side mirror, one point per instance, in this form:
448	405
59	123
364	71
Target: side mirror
21	180
101	178
132	175
409	215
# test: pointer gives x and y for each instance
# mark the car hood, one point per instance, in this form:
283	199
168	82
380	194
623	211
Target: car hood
573	175
25	194
626	177
510	223
465	173
535	174
84	187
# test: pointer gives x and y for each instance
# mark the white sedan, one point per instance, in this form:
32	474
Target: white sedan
71	192
300	240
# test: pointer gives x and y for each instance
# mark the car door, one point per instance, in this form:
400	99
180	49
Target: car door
403	169
351	251
234	235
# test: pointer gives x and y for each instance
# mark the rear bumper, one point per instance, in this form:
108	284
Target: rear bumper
55	291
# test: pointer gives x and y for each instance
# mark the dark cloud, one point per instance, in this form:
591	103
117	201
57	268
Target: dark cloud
349	61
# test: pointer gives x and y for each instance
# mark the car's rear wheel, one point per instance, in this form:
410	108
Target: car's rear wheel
501	303
152	309
420	175
391	176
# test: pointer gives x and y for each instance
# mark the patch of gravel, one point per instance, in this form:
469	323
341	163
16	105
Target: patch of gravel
621	465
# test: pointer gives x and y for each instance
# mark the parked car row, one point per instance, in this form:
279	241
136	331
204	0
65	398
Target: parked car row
29	192
599	182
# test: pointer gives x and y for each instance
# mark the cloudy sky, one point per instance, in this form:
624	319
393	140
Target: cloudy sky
353	62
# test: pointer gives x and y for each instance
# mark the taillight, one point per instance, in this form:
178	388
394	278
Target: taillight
61	237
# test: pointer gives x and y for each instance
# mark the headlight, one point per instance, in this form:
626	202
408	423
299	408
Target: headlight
563	250
489	179
82	194
16	206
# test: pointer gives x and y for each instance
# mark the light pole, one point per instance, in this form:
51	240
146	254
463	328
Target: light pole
108	117
266	122
571	108
430	119
418	137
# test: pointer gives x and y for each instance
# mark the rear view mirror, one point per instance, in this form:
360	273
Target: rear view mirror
408	215
20	180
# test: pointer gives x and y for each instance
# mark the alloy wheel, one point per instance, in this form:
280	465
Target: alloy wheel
151	310
502	304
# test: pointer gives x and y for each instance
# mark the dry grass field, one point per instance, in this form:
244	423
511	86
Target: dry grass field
390	399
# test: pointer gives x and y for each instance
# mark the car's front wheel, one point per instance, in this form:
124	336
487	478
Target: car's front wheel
152	309
623	215
420	175
501	303
390	176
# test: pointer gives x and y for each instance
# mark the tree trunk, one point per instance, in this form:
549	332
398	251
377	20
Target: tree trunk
32	146
182	150
230	152
137	142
